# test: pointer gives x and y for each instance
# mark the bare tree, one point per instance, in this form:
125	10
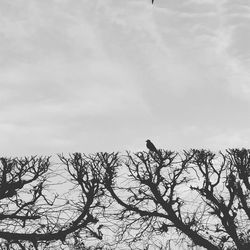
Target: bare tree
200	197
145	200
33	217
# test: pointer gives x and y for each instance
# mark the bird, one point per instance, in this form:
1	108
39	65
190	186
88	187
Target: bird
152	1
151	146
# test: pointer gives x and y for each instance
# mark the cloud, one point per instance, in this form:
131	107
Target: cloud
105	75
229	139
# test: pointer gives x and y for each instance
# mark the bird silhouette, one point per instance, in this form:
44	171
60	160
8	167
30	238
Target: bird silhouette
152	1
151	146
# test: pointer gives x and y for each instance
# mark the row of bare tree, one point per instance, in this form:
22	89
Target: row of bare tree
155	200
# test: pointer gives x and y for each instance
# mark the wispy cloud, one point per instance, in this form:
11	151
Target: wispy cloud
106	75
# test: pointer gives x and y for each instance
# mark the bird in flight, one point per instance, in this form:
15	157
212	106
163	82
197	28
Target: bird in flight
151	146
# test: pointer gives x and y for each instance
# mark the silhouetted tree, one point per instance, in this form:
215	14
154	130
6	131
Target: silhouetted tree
198	196
32	217
137	201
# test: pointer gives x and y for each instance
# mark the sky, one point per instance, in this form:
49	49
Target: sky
105	75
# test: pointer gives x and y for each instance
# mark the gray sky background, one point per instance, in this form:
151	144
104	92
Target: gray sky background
105	75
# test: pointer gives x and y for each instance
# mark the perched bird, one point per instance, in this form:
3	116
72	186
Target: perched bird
151	146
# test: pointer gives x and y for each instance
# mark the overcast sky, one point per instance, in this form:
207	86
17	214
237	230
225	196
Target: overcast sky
105	75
